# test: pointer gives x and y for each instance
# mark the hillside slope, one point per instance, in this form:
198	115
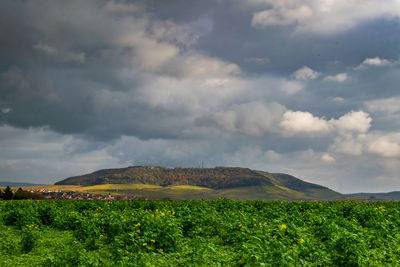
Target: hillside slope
230	182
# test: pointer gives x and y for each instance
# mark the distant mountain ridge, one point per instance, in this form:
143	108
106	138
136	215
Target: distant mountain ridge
220	179
17	184
394	195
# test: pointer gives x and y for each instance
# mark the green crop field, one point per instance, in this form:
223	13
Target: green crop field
199	233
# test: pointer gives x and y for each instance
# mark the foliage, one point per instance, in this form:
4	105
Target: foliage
20	194
8	194
198	233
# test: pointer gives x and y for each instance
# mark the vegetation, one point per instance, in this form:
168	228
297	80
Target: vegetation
198	233
230	182
19	194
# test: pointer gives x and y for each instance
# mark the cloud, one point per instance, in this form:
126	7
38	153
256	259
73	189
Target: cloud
306	73
281	16
328	158
305	122
374	143
341	77
5	110
387	105
291	87
254	118
258	60
323	17
337	99
385	147
354	121
63	56
299	121
121	7
374	62
347	144
39	155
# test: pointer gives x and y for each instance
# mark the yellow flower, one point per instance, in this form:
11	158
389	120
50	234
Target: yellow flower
283	226
162	214
137	225
160	250
301	240
144	244
152	241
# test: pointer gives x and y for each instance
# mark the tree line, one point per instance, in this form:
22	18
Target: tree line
8	194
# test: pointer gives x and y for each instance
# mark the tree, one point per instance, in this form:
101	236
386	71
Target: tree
22	194
8	194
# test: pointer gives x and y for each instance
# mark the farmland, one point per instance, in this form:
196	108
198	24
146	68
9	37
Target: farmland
216	233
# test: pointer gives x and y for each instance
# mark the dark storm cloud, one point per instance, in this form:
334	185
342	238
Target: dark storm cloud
63	65
63	69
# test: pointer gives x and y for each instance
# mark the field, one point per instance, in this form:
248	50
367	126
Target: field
199	233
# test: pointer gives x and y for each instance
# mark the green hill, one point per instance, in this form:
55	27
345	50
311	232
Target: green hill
205	183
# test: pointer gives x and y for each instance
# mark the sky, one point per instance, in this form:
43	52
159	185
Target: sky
304	87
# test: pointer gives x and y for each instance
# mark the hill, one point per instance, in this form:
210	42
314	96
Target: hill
204	183
394	195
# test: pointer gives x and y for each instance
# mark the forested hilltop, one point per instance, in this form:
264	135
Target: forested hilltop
243	180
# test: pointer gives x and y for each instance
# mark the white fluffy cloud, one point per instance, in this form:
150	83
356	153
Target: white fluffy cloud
354	121
341	77
323	16
374	62
306	73
299	121
305	122
374	143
